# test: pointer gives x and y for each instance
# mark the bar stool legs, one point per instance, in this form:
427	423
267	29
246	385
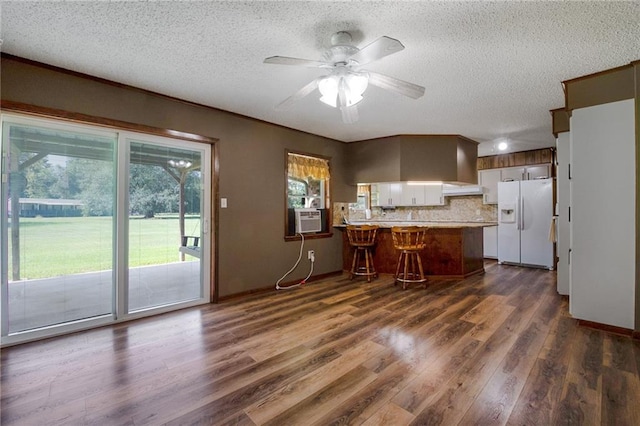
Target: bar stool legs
362	238
409	241
363	254
406	271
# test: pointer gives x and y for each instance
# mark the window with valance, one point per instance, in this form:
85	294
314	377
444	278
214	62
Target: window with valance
307	178
305	167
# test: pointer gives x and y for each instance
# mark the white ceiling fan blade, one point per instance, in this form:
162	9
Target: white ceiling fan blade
288	103
380	48
349	114
394	85
284	60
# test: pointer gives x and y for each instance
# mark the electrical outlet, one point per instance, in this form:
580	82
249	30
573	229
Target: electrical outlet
311	255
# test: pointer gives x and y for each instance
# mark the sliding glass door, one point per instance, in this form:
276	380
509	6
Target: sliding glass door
165	224
57	224
98	226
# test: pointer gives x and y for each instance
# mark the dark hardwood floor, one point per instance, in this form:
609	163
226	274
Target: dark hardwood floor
497	348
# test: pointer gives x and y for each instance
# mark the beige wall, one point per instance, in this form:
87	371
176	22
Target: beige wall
250	236
612	85
449	158
428	158
467	160
375	160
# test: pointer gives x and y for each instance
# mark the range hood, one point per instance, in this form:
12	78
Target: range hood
414	158
449	190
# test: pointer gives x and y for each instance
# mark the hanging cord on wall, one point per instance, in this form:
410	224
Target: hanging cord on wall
294	267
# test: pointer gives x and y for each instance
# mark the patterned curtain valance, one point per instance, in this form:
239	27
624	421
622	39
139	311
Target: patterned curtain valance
302	167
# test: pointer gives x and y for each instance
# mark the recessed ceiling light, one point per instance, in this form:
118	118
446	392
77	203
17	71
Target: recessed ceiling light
502	146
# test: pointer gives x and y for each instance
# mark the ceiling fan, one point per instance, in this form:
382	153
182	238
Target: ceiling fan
346	82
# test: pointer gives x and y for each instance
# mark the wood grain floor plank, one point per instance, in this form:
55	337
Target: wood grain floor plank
570	409
617	408
494	320
43	412
495	348
419	393
193	388
494	403
480	312
636	354
460	392
581	399
287	397
618	353
234	402
268	345
238	419
460	308
544	385
366	402
454	398
312	408
111	399
389	415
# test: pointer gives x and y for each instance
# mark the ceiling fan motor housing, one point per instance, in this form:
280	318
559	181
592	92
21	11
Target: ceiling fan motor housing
340	49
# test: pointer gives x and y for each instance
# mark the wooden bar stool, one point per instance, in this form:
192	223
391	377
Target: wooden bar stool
409	240
362	238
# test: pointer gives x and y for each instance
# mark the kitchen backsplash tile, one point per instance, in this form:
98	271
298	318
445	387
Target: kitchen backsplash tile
468	208
341	210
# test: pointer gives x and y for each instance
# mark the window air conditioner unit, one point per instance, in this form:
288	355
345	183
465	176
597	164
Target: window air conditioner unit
308	220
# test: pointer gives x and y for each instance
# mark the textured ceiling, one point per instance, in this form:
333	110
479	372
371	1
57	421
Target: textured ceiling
492	70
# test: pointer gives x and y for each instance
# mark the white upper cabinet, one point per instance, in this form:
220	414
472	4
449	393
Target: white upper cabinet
389	194
538	172
433	195
403	194
422	195
413	195
541	171
513	173
489	180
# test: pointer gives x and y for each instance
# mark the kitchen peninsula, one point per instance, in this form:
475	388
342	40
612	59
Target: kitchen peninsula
453	249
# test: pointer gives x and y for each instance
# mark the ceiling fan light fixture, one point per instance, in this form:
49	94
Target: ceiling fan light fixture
328	87
358	83
354	85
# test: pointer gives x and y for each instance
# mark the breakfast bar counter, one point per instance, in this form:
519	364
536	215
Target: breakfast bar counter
453	249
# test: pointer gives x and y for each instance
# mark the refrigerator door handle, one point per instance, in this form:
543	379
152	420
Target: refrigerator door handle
522	212
518	213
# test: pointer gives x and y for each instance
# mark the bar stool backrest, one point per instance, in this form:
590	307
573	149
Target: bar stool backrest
362	235
408	237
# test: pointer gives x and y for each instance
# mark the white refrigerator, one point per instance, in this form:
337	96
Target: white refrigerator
525	213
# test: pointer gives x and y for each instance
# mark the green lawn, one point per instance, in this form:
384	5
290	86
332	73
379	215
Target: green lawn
60	246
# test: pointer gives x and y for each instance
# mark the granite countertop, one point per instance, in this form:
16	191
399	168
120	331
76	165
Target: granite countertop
434	224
